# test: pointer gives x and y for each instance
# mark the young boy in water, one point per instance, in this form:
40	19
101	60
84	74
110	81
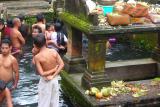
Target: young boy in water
8	65
5	94
48	64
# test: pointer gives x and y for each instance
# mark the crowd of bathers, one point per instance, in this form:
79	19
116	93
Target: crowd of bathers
13	36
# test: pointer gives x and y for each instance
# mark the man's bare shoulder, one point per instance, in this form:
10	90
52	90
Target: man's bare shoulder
38	56
15	32
13	58
53	51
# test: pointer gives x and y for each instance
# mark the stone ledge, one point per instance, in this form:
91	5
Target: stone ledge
131	70
72	87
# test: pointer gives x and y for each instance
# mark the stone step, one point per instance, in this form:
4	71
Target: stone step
27	4
130	62
26	12
26	7
131	69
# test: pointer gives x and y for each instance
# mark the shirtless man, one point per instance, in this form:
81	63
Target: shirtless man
48	64
5	94
8	66
40	22
16	38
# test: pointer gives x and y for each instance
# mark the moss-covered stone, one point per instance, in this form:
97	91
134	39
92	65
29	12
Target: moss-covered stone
76	22
74	92
72	88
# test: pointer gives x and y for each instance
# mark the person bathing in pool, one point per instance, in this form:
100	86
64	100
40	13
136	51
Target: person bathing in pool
48	64
17	39
9	69
5	95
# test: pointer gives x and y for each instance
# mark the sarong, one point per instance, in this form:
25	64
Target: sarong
48	93
10	84
16	50
17	53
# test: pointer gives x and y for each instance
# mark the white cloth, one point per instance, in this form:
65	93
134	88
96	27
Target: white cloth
91	5
54	39
48	93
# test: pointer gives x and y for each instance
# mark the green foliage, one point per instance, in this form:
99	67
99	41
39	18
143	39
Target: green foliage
49	16
157	79
30	20
145	41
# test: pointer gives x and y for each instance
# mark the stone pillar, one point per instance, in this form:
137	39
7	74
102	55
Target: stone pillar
96	55
74	62
156	51
94	75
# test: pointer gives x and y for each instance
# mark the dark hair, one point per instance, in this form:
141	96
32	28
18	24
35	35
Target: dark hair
39	40
9	22
40	17
6	40
56	20
2	85
48	25
2	21
57	27
38	27
21	17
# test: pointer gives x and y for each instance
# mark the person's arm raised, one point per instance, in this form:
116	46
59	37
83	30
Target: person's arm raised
16	70
8	98
40	70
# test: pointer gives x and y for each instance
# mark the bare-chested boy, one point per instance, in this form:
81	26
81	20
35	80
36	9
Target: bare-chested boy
16	38
40	22
9	69
5	95
48	64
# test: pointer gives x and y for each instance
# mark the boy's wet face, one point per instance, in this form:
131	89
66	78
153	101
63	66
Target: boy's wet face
35	32
35	47
5	48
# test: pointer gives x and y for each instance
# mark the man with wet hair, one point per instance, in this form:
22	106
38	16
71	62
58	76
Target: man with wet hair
5	94
9	69
48	64
16	38
40	22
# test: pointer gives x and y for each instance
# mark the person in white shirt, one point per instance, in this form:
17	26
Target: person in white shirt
58	40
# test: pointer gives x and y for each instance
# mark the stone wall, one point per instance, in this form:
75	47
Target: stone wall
3	11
